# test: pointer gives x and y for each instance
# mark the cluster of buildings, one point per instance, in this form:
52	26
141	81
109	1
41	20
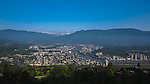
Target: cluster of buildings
137	56
131	57
88	49
99	53
10	59
61	55
68	55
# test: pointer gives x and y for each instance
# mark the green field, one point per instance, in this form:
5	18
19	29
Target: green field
39	77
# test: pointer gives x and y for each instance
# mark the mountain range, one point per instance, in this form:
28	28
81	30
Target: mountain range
23	36
122	36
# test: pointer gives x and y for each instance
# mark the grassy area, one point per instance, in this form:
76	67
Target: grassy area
39	77
1	75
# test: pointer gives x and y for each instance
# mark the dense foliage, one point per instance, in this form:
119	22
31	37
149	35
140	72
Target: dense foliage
73	75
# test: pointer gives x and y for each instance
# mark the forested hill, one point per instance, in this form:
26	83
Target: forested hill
123	37
18	36
128	36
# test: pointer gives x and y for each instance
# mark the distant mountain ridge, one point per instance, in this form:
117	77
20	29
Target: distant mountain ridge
123	36
23	36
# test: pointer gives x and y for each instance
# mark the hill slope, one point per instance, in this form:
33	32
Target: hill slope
123	37
126	36
23	36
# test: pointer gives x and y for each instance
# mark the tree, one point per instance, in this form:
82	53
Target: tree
110	70
47	72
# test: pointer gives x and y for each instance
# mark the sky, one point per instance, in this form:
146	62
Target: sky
66	16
